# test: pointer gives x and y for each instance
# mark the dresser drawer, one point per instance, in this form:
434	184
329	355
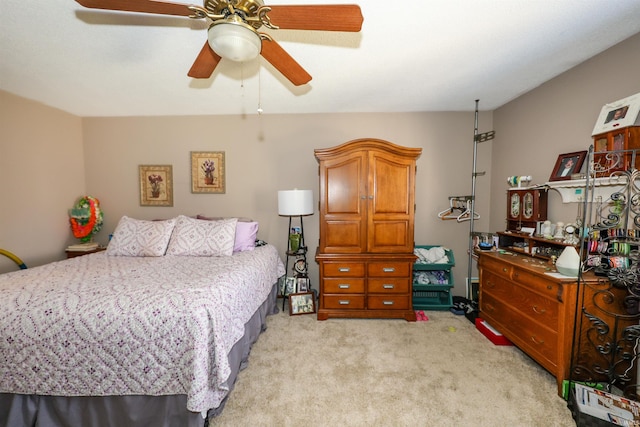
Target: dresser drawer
497	266
343	269
536	283
343	302
388	302
389	269
539	342
539	308
347	285
391	285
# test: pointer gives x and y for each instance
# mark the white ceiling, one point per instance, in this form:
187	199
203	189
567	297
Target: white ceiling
410	56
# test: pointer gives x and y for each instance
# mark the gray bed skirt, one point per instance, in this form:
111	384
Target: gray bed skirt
122	411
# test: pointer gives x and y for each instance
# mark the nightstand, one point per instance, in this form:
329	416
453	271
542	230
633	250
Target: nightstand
73	254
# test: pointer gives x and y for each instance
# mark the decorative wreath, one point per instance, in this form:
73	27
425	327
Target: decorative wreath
85	218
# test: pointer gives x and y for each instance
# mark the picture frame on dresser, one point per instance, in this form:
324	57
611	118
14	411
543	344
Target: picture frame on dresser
568	164
156	185
302	303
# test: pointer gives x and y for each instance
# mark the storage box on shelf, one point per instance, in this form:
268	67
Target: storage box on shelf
538	247
437	295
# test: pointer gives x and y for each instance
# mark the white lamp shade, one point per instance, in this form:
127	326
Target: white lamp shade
295	202
234	40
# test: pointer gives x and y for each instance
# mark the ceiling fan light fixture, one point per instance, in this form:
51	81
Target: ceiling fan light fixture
233	39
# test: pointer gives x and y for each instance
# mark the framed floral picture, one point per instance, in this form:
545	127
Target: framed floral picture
156	185
207	172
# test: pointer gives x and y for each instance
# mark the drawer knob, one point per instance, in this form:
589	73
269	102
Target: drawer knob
387	302
504	269
388	286
538	342
538	310
389	269
489	307
344	286
490	284
344	269
549	287
343	302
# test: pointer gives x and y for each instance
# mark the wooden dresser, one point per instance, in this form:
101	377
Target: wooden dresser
367	210
534	310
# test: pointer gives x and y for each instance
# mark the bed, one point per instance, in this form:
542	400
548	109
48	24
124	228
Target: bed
152	331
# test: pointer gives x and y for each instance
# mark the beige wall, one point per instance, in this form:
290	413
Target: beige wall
558	117
41	175
268	153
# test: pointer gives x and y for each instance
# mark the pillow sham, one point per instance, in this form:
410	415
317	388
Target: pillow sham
245	239
196	237
137	237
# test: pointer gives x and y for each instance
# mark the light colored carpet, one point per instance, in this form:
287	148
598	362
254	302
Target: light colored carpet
361	372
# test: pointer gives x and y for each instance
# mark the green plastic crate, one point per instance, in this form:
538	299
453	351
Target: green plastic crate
434	296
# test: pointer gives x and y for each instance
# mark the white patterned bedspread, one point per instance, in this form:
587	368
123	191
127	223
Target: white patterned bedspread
100	325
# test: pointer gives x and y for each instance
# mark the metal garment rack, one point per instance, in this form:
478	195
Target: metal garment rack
477	139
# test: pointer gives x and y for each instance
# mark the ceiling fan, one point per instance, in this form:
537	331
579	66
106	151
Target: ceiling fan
233	33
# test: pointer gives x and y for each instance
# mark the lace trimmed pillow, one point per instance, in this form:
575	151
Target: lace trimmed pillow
197	237
137	237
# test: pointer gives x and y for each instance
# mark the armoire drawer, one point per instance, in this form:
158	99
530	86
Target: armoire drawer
346	285
388	302
343	302
390	285
343	269
389	269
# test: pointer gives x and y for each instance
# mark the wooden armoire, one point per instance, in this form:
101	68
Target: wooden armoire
367	211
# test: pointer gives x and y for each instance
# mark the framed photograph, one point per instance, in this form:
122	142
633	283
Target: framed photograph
207	172
302	303
290	285
156	185
622	113
567	164
302	284
282	285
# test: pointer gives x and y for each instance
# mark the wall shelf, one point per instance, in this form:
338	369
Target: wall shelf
573	191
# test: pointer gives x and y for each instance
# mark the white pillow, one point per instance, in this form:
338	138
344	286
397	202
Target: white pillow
197	237
137	237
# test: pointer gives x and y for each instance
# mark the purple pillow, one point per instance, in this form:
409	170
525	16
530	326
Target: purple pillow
246	233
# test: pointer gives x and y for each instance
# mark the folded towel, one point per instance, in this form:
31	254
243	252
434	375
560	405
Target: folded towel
434	255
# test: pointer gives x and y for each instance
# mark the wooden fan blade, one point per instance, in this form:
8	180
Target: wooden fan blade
145	6
279	58
330	17
205	63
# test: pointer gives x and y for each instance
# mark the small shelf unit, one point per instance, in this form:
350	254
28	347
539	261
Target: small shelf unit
537	247
433	296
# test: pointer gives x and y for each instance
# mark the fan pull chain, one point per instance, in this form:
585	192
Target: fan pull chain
259	91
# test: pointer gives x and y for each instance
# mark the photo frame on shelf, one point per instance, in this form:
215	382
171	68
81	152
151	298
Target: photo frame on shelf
619	114
567	164
302	303
208	172
156	185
